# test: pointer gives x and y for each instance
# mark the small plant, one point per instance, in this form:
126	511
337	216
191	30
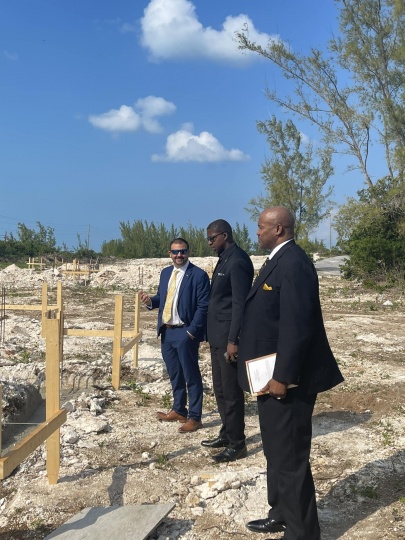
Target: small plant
388	433
366	491
24	357
369	491
40	525
167	400
137	388
162	459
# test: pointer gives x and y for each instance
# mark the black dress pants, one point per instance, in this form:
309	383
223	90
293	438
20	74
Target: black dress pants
286	429
230	398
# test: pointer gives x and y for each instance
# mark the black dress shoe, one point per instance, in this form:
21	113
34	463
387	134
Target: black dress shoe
266	525
218	442
230	454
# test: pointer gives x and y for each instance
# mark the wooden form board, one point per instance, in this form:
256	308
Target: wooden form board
53	330
24	448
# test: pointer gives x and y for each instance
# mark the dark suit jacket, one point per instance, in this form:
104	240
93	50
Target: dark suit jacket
230	284
283	315
193	299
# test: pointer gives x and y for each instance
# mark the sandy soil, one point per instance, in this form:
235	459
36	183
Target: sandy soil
115	452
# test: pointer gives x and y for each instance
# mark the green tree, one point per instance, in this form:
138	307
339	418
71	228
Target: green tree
34	243
353	93
293	178
377	236
242	238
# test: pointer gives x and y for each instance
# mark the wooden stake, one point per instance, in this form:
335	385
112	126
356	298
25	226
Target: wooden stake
52	374
116	364
136	330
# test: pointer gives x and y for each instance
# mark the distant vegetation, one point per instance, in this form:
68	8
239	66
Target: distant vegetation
38	243
138	240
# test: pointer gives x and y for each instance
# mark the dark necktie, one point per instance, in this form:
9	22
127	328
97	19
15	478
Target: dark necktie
263	266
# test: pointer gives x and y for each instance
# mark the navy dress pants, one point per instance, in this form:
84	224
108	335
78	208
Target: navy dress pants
180	354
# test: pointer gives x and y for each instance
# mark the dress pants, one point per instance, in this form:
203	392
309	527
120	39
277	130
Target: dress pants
229	397
180	354
286	429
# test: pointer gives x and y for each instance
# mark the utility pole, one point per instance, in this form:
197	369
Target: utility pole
330	233
88	238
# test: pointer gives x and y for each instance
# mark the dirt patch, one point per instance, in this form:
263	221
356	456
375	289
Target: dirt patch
115	452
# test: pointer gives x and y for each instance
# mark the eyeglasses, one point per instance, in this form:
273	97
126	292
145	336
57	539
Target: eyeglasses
213	237
177	251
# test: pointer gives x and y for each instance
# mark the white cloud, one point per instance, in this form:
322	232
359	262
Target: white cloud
184	146
13	56
128	28
171	29
142	116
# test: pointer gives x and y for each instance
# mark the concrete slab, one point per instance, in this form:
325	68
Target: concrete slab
123	522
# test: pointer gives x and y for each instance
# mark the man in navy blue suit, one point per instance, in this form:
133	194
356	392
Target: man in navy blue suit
182	299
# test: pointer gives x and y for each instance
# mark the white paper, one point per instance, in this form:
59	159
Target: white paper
261	371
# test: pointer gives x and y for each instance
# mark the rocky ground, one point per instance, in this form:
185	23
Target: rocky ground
115	452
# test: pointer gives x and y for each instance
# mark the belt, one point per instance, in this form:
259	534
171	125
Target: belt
172	326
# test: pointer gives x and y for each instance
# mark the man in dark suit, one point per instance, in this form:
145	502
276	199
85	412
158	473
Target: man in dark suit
182	299
283	315
231	281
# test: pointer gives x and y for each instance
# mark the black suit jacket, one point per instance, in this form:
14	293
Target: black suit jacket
283	315
230	284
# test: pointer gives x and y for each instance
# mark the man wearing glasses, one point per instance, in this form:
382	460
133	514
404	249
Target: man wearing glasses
230	284
182	299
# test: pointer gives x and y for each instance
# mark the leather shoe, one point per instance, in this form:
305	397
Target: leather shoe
171	416
230	454
190	426
218	442
266	525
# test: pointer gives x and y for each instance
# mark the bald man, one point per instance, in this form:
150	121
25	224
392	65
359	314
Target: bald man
283	315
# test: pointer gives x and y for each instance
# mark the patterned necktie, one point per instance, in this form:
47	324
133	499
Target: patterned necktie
263	266
167	311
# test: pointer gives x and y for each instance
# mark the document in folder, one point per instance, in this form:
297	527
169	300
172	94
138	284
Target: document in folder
260	371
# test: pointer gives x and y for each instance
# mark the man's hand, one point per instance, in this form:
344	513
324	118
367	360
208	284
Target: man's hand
231	354
145	299
275	389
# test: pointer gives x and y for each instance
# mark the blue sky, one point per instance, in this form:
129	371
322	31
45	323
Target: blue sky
123	110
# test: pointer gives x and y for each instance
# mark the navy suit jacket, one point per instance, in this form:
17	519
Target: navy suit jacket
283	315
193	299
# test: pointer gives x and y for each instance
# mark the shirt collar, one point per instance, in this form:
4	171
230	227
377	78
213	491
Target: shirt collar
182	268
277	248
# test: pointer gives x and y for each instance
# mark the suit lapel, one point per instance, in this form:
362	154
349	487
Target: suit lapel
165	284
215	273
271	265
264	274
185	279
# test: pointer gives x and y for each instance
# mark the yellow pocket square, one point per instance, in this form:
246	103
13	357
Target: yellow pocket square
267	287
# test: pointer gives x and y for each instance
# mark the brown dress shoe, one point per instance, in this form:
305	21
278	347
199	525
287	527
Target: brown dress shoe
171	416
190	425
